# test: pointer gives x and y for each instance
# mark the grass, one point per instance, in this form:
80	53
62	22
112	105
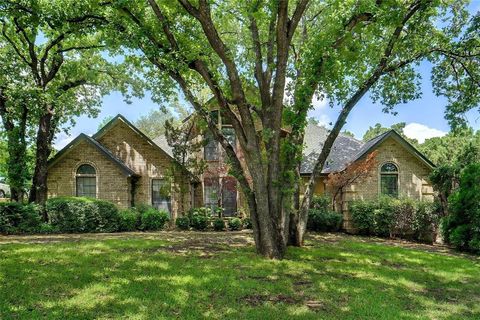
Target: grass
218	276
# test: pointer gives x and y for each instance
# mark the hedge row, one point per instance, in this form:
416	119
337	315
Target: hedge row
78	215
396	218
203	218
321	217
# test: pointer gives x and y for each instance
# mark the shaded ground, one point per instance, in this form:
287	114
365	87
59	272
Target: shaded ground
191	275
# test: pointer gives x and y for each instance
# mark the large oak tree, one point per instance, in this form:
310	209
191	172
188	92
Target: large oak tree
55	69
286	53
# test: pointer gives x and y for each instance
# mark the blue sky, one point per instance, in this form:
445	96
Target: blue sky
424	116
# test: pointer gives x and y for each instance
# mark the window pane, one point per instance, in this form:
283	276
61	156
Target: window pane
389	184
229	134
87	187
229	196
211	193
86	169
211	148
161	195
389	167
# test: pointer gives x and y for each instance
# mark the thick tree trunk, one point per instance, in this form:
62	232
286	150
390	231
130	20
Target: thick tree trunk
39	189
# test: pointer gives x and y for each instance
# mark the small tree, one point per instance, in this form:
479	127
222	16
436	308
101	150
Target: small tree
354	172
184	148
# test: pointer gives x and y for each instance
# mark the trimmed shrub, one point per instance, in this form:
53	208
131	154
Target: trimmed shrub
390	217
363	216
324	220
200	218
19	218
183	223
218	224
461	227
426	221
235	224
199	222
153	219
128	220
403	218
321	217
75	214
247	223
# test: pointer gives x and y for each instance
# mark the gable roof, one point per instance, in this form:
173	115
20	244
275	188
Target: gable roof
121	118
162	142
346	149
83	137
373	143
159	144
343	150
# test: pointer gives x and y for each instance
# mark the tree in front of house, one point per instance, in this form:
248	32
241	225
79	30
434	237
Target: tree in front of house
244	52
461	227
154	123
451	154
183	139
58	72
354	173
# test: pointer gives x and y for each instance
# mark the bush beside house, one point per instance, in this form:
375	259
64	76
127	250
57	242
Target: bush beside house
78	215
461	228
19	218
321	217
396	218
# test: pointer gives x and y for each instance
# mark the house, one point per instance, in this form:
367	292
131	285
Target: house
120	164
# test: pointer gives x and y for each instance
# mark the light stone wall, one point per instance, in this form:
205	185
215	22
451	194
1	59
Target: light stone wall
137	153
112	184
412	179
149	162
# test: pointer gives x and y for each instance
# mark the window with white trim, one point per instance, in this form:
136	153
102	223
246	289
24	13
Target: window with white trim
86	181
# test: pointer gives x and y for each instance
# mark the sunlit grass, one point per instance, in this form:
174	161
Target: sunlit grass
164	276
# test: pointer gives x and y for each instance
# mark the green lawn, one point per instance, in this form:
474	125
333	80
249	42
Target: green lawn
217	275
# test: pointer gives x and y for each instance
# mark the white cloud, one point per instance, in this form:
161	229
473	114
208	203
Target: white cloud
421	132
63	139
319	103
324	120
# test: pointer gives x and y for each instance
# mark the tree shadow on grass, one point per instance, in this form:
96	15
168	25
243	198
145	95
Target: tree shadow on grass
185	279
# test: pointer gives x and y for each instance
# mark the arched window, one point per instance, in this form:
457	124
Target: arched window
86	181
389	179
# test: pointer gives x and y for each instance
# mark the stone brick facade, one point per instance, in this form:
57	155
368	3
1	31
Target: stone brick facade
412	179
112	184
126	162
134	150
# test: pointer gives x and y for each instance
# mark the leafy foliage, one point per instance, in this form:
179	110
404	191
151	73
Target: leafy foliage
128	220
218	224
19	218
235	224
200	218
153	219
75	214
391	217
461	227
183	223
378	129
321	217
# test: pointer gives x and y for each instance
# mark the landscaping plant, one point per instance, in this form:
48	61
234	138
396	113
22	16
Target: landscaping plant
461	227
